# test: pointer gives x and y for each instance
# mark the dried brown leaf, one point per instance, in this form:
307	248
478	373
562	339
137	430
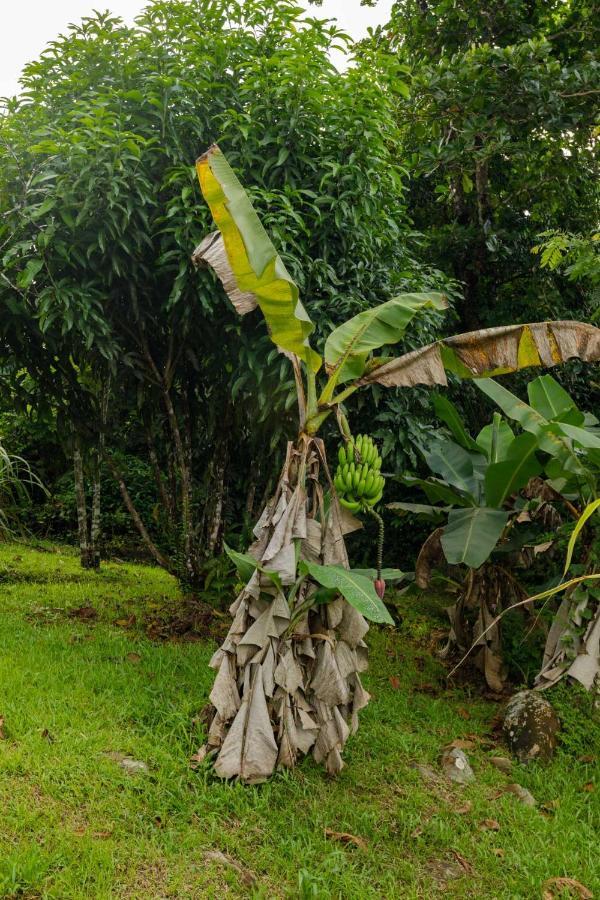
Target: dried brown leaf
466	865
466	807
345	838
554	886
460	744
134	657
489	825
2	735
217	856
589	787
463	713
394	682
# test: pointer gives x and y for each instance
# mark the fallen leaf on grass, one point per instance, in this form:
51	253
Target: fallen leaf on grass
216	856
134	657
554	886
345	838
463	713
589	787
464	809
589	760
460	744
499	852
394	682
2	735
550	807
489	825
462	861
85	613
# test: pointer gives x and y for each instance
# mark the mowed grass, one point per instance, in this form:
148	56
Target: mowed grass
74	824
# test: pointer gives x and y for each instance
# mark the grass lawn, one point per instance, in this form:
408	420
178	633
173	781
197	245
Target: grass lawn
74	824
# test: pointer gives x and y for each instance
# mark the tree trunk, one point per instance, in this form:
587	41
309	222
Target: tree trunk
288	677
137	520
82	516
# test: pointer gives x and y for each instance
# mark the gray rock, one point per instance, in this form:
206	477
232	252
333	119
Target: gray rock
130	765
530	726
502	763
456	766
525	796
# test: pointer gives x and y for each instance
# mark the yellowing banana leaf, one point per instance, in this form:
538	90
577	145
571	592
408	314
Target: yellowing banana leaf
349	345
247	263
490	352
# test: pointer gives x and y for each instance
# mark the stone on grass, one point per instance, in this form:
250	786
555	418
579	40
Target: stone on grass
531	727
456	766
522	794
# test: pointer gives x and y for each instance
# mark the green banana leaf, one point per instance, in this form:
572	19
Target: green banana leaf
348	346
504	478
551	400
247	263
436	491
495	439
471	535
530	420
448	413
493	351
357	589
455	465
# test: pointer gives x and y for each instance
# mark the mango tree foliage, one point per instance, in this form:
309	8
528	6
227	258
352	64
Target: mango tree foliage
99	203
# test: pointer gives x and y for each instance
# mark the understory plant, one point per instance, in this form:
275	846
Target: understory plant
288	673
506	499
569	439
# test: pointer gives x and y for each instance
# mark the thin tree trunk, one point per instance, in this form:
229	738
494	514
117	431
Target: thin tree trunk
214	529
137	521
82	517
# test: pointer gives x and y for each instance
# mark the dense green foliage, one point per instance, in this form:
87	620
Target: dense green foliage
460	139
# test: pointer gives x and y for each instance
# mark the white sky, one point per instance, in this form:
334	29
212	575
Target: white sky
26	26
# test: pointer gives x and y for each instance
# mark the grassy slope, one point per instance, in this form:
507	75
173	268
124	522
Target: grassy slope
73	824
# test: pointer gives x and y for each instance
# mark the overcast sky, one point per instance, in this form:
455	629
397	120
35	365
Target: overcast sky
28	25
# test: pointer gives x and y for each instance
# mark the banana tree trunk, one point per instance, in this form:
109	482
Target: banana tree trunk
488	591
573	643
288	673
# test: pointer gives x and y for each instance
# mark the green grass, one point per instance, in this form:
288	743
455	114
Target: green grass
73	824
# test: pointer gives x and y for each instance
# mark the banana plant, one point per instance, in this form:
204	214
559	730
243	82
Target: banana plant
288	673
476	486
571	441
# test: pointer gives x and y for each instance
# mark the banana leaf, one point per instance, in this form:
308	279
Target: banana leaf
448	413
504	478
348	346
551	400
247	263
471	535
550	442
493	351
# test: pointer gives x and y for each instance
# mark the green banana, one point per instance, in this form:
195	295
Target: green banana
357	480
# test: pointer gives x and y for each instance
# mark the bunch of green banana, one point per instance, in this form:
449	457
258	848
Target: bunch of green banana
358	481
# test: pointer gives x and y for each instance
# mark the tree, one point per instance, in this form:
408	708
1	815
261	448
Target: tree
499	129
99	211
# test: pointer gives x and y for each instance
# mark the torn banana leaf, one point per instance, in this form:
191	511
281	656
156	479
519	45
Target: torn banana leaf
348	346
490	352
245	260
